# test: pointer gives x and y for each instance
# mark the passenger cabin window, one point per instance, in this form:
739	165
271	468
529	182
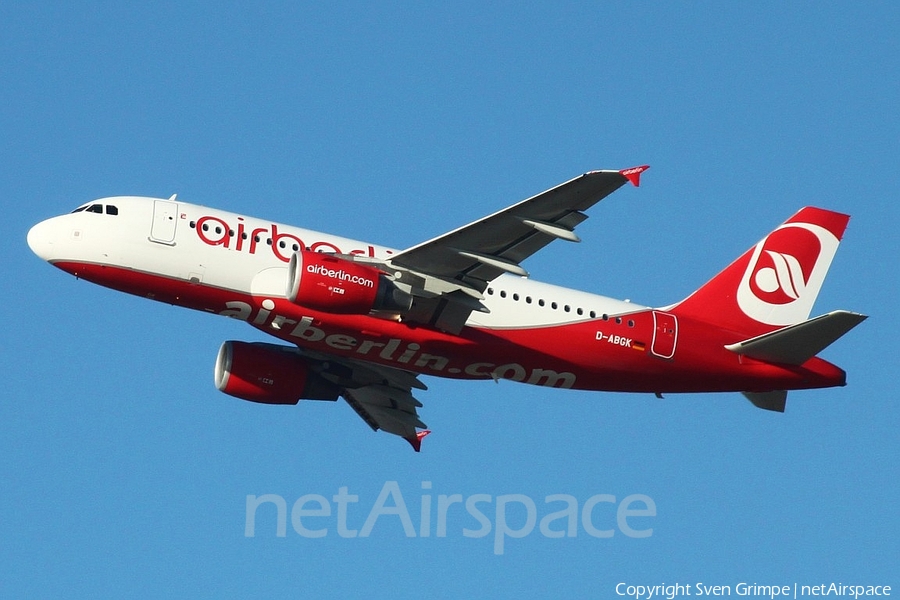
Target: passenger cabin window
580	311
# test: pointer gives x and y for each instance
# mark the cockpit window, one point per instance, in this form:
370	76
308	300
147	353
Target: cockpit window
97	208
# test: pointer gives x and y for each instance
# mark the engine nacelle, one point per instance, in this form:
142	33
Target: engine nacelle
269	374
331	284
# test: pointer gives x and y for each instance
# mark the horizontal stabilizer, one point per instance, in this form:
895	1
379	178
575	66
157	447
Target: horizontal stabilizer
796	344
768	400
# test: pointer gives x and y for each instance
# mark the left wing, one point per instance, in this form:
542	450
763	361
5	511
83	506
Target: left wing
381	395
388	408
455	268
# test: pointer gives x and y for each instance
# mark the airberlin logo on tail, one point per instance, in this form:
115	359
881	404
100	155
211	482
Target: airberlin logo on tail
783	281
785	273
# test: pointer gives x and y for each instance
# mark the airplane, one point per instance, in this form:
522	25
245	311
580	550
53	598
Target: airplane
365	322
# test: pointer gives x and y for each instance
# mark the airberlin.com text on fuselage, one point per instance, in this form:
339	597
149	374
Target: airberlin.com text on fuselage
394	350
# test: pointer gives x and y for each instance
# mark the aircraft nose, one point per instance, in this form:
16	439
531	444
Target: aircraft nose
40	240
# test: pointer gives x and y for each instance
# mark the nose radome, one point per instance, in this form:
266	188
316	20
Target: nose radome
40	240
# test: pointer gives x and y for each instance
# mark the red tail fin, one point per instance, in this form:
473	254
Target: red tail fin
776	282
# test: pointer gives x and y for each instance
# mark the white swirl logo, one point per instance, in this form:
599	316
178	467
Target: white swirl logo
785	273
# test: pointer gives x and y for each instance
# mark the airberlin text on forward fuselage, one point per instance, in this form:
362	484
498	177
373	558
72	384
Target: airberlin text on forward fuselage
407	355
215	231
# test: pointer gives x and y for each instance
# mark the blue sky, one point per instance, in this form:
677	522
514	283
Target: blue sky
124	473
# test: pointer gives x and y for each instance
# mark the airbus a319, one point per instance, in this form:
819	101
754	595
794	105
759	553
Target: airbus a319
364	322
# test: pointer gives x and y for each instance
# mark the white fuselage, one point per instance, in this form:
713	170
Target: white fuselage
232	252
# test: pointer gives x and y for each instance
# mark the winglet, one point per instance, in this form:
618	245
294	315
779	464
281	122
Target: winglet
634	174
416	442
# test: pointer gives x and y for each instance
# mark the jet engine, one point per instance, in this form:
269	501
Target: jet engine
269	374
331	284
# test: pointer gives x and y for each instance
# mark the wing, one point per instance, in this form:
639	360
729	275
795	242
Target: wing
388	408
447	274
381	395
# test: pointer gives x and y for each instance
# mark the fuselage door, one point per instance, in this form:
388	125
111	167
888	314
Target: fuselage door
665	334
165	214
